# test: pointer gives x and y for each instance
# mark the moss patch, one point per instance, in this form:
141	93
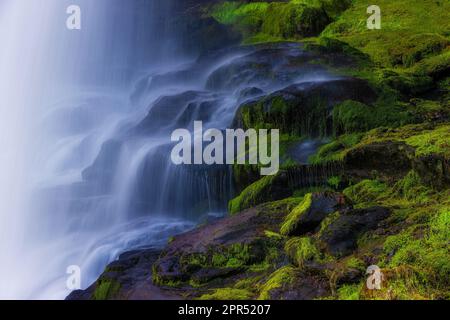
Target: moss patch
106	289
252	195
278	279
366	191
227	294
291	220
301	250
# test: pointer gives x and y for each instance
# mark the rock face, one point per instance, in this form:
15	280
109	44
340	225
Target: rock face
311	212
223	248
128	278
267	189
297	284
389	157
341	233
303	109
434	170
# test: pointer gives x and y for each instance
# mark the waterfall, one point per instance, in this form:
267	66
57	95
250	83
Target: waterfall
86	122
65	102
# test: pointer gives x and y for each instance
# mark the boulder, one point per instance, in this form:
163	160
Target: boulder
389	158
222	248
290	283
341	233
178	111
303	109
266	189
308	215
128	278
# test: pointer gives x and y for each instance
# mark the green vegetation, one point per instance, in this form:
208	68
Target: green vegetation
335	150
106	289
278	279
425	138
262	21
353	116
365	191
411	30
252	195
301	250
227	294
291	220
407	64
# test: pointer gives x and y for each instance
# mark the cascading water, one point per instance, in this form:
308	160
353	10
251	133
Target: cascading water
65	100
85	130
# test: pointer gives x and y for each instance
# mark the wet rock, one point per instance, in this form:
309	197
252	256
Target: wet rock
178	111
308	215
127	278
222	248
203	34
291	283
250	92
266	189
434	170
340	234
239	73
389	158
101	172
304	108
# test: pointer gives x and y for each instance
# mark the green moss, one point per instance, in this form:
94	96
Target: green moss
436	141
427	139
278	279
355	263
429	110
412	189
435	67
274	235
417	47
351	116
275	20
291	220
428	255
301	250
334	182
365	191
327	221
335	150
409	32
227	294
349	292
106	289
282	112
252	195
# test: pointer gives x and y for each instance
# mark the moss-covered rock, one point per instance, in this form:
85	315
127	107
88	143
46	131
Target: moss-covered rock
227	294
428	252
276	20
224	248
303	109
341	233
353	116
290	283
366	191
106	289
308	215
301	250
267	189
387	159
